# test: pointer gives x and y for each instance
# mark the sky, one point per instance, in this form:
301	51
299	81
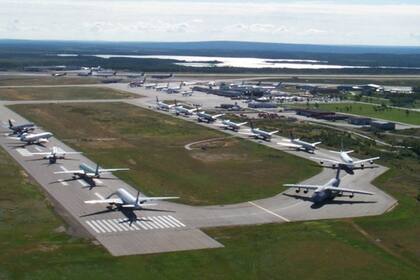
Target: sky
369	22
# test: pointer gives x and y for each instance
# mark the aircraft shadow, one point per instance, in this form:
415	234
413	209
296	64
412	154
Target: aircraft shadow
332	201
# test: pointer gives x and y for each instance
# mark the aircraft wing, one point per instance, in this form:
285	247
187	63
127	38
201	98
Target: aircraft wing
15	138
303	186
365	160
41	154
316	143
218	116
69	172
157	198
113	169
273	132
327	160
249	133
290	145
344	190
106	201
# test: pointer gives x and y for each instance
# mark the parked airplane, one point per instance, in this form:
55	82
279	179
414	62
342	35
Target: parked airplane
228	124
181	110
54	154
259	133
89	172
300	145
126	201
137	83
346	162
161	87
205	117
149	86
176	89
327	191
22	128
59	74
187	93
38	138
163	106
162	76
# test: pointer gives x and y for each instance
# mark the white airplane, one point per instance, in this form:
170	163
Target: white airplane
163	106
89	172
54	154
205	117
38	138
327	191
126	201
187	93
259	133
300	145
149	86
161	87
176	89
228	124
189	83
346	162
181	110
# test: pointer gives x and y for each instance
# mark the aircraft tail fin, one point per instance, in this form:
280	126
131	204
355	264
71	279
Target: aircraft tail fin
10	123
97	170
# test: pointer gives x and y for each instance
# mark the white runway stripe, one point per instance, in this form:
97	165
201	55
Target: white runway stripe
83	183
269	211
146	223
98	226
23	152
92	226
38	149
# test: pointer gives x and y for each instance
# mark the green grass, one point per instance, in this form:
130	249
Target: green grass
152	146
45	80
390	114
32	248
62	93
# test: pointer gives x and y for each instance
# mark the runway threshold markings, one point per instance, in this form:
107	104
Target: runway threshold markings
23	152
269	211
102	226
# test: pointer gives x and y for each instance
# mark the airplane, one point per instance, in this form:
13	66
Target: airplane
205	117
162	76
327	191
59	74
181	110
161	87
38	138
89	172
54	154
22	128
346	162
300	145
259	133
189	83
149	86
228	124
174	89
137	83
187	93
163	106
126	201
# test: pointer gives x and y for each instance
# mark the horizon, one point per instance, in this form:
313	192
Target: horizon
360	23
209	41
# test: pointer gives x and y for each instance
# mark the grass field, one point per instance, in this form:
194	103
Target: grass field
152	145
45	80
34	246
368	110
62	93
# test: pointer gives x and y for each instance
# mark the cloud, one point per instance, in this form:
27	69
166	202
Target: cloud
297	21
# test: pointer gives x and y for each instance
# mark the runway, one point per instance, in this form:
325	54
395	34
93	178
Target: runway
172	226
